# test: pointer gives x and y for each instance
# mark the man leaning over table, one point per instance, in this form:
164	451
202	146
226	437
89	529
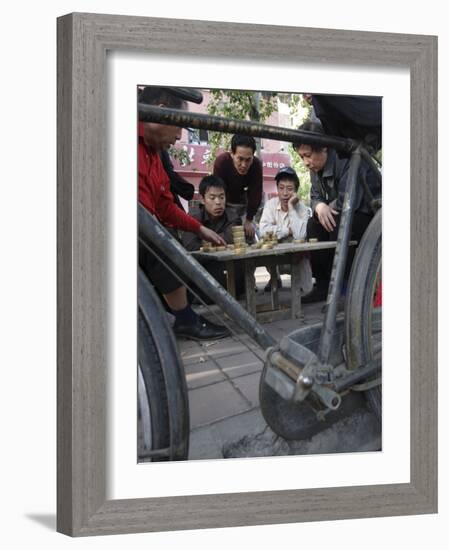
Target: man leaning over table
286	216
156	197
329	176
242	173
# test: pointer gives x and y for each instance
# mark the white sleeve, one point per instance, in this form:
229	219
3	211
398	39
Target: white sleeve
268	219
299	217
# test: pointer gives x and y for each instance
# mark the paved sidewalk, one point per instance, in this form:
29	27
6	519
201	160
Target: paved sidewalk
223	381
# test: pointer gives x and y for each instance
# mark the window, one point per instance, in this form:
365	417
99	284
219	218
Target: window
200	137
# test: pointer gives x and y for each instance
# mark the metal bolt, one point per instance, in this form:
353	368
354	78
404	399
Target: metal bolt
306	381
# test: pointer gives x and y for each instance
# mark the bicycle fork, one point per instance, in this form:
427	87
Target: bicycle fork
294	359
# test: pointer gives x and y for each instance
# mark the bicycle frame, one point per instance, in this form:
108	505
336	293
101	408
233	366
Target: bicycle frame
294	360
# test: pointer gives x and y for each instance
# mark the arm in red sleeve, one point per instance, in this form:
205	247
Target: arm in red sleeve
155	195
170	214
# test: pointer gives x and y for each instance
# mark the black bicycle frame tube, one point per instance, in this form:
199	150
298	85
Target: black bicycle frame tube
185	119
154	234
340	259
370	161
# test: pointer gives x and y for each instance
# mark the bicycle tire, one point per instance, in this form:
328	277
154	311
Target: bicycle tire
155	389
361	338
164	379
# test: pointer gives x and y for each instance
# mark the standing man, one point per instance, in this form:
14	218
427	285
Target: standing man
329	175
242	174
155	196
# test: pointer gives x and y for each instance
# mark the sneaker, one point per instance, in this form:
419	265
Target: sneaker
268	285
202	329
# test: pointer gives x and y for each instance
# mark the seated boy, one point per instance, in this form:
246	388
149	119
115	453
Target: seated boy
213	214
286	216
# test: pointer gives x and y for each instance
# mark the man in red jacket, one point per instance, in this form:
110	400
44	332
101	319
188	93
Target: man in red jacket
156	197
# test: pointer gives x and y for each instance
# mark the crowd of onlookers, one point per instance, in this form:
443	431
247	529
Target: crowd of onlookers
232	195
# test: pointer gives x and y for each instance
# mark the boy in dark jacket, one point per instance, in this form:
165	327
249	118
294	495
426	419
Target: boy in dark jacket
215	215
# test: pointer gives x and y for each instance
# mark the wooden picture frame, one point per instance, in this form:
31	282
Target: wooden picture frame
83	41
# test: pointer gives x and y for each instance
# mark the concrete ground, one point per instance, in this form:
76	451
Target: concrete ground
223	382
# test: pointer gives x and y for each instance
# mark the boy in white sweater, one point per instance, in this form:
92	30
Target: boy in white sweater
286	216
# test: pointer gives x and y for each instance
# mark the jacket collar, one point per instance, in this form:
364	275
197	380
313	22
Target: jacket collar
328	170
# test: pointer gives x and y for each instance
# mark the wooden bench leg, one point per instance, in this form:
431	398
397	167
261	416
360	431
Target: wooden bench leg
296	286
274	287
230	278
250	283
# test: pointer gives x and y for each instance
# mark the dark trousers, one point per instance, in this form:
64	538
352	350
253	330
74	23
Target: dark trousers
216	269
165	281
321	260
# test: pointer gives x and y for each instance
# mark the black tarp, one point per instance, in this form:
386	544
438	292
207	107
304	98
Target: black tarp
356	117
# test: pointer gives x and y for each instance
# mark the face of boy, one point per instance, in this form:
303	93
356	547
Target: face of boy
214	201
286	190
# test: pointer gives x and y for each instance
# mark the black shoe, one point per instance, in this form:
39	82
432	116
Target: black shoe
268	285
318	294
201	330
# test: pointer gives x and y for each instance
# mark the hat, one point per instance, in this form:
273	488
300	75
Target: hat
289	172
187	94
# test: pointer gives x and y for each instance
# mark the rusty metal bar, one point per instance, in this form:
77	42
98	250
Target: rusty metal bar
186	119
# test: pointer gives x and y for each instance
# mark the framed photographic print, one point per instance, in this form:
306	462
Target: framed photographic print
108	70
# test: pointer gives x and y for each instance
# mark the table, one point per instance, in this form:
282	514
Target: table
280	254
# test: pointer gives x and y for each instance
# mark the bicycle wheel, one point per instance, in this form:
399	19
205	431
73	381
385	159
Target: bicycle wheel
163	408
153	414
363	312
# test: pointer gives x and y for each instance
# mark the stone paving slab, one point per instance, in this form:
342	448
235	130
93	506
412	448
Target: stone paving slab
249	386
191	356
239	364
215	402
205	444
209	442
202	374
224	348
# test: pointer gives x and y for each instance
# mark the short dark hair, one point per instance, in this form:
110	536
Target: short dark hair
154	95
242	141
287	174
310	126
210	181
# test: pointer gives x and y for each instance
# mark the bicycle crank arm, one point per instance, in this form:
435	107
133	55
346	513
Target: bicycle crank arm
361	374
298	383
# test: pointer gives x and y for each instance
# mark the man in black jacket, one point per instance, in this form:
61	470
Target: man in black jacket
329	175
179	186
